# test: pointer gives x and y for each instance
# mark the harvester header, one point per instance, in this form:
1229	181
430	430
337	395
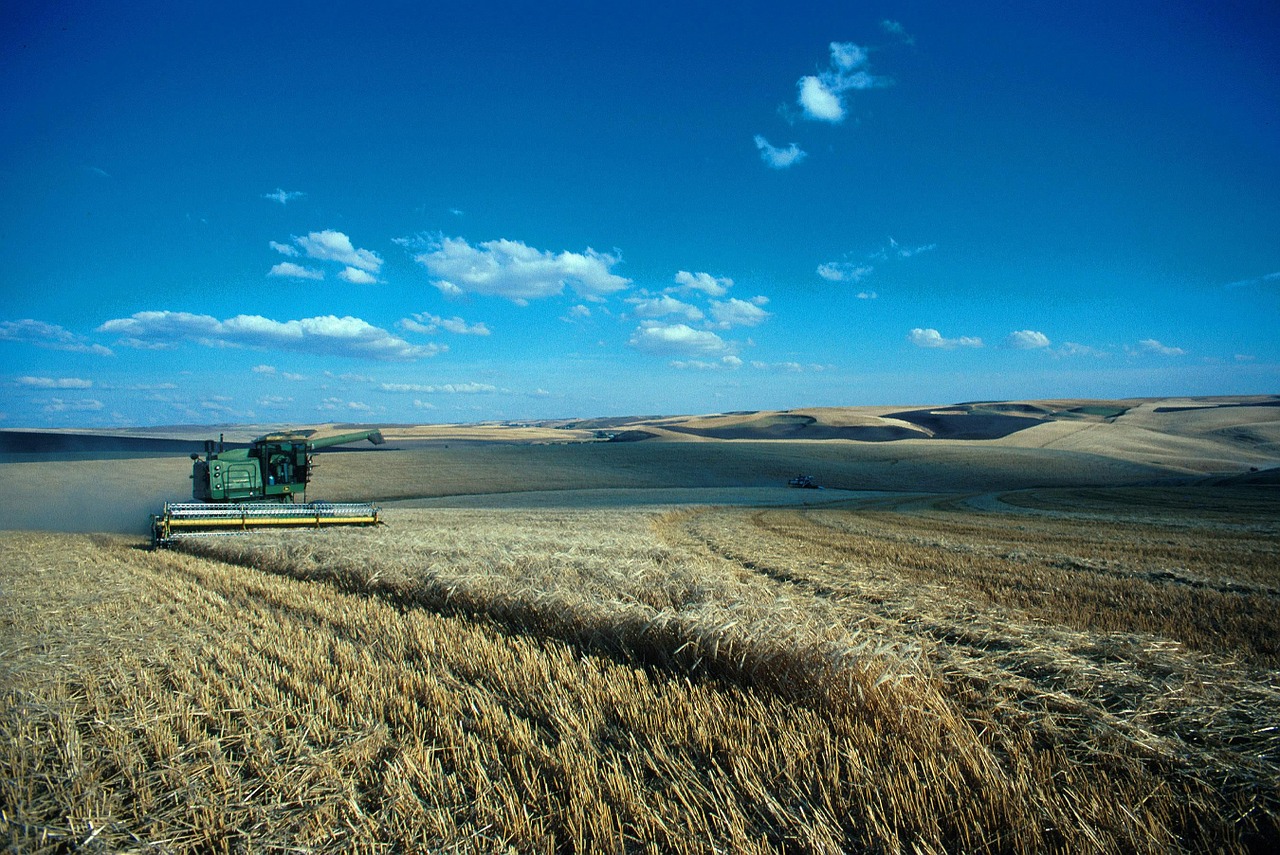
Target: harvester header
257	486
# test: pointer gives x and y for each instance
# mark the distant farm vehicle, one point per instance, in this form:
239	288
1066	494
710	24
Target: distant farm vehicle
240	489
805	481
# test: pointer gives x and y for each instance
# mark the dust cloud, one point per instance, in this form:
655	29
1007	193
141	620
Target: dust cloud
90	495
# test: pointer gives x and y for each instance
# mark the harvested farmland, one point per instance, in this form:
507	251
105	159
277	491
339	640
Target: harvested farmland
1002	674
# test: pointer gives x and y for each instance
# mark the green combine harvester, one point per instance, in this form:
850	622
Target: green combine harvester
262	486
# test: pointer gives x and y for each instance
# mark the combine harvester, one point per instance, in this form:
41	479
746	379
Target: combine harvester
257	487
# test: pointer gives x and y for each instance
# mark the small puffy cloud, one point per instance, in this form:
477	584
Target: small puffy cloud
332	404
908	251
511	269
283	196
739	313
789	367
579	311
867	295
657	307
295	271
60	405
1150	345
820	95
931	338
284	248
843	271
729	363
818	101
326	335
357	277
274	402
1071	348
712	286
894	28
264	369
424	322
48	336
54	382
676	339
1026	340
779	158
330	245
441	389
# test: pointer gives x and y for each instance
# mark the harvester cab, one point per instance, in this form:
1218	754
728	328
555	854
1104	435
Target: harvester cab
274	468
259	486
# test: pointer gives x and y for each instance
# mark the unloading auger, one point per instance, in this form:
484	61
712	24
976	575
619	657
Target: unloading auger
240	489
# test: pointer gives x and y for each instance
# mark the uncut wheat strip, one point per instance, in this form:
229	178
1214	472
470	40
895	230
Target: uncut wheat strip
627	631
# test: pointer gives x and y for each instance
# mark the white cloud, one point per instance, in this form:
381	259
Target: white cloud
283	196
712	286
730	363
846	56
442	389
657	307
820	96
867	295
330	245
357	277
579	311
264	369
49	336
856	271
508	268
1071	348
284	248
331	404
1150	345
54	382
1026	340
779	158
789	367
739	313
894	28
843	271
424	322
909	251
1265	279
659	338
59	405
295	271
327	335
933	339
819	102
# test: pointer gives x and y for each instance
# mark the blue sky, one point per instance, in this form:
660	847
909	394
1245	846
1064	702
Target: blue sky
437	212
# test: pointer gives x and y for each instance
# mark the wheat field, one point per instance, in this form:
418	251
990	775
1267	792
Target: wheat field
1045	671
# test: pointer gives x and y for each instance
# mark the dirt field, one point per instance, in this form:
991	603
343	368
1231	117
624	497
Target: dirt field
978	647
